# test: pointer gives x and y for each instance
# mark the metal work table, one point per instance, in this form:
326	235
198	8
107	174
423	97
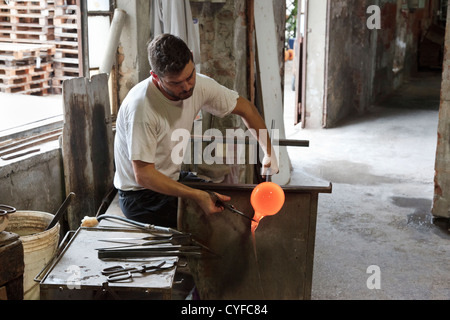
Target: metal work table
76	272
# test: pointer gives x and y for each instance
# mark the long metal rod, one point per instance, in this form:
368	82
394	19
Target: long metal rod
60	211
268	175
145	226
280	142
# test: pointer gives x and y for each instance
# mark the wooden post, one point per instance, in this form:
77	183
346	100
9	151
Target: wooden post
251	50
270	81
87	145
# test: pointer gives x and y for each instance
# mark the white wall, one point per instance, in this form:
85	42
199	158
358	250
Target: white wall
315	63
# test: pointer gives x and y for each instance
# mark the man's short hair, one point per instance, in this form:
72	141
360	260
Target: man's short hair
168	54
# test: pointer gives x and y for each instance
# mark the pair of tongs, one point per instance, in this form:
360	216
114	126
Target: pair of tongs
176	239
220	203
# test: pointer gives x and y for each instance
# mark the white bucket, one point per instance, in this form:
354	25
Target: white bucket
39	246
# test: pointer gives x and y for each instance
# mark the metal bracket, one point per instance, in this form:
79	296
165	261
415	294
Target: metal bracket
103	292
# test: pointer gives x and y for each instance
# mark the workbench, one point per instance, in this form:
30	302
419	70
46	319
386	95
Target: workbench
76	272
276	264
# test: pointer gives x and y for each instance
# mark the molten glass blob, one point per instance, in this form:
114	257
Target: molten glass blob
267	199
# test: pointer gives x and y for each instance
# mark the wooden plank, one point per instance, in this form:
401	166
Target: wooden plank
250	50
87	144
270	81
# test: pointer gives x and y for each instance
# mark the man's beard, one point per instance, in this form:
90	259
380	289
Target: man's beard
181	96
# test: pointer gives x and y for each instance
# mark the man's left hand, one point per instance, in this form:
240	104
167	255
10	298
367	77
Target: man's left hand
269	163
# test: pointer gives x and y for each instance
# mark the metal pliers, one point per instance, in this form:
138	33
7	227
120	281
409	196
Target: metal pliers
119	273
220	203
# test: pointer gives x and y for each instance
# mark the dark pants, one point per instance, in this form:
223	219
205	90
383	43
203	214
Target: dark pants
148	206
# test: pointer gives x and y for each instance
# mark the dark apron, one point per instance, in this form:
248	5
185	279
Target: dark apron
148	206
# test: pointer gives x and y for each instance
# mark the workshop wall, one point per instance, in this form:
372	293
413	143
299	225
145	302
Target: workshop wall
224	57
34	183
441	201
223	38
132	52
366	64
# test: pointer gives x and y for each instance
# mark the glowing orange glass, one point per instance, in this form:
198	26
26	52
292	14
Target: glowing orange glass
267	199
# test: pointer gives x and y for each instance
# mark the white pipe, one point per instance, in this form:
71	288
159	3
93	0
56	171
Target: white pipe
113	41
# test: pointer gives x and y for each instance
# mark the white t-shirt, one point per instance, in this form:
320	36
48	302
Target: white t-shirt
146	120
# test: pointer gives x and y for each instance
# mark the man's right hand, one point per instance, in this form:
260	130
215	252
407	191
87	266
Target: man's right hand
208	204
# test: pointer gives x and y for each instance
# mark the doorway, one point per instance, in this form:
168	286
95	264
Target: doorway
295	64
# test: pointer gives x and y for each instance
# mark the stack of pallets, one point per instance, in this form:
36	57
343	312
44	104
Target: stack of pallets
29	21
25	68
66	61
43	23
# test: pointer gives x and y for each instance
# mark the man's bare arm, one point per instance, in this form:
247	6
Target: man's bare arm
149	177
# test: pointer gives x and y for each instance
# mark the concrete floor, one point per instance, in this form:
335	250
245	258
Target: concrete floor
379	213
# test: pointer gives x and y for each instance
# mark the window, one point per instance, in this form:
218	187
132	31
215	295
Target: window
42	44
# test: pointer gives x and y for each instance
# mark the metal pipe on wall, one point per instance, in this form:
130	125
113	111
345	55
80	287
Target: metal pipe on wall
113	41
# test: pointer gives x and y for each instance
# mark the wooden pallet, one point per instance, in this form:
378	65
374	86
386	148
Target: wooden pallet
30	28
27	12
15	56
8	27
66	52
18	71
39	87
65	2
28	62
37	22
15	80
66	21
69	68
27	36
34	3
66	60
57	83
24	79
66	10
20	51
65	34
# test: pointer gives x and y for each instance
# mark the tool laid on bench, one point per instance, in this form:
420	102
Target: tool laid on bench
146	238
155	251
120	273
144	226
176	239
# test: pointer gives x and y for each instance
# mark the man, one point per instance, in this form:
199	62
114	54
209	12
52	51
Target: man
146	176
